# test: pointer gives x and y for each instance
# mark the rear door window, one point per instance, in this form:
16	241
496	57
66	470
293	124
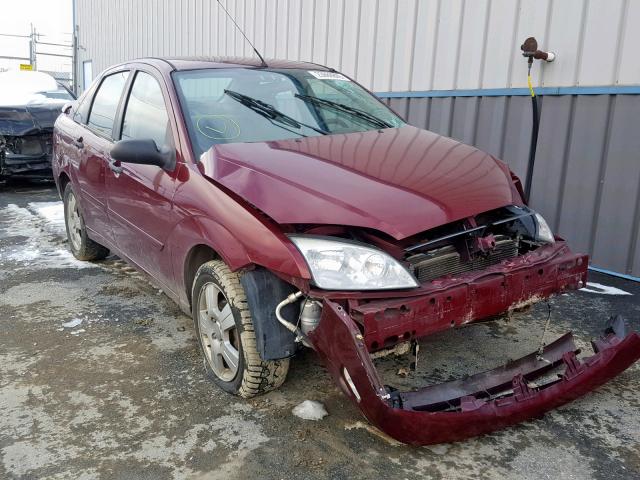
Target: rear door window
146	116
105	103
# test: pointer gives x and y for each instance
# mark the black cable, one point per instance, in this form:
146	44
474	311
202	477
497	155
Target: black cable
534	138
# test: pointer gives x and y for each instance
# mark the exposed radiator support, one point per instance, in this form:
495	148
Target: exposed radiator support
448	261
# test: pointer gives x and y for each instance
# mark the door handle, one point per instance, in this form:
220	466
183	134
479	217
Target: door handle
79	142
117	169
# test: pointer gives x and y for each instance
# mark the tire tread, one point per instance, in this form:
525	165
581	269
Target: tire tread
259	376
89	250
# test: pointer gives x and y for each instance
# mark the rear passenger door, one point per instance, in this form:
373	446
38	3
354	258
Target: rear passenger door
140	196
93	143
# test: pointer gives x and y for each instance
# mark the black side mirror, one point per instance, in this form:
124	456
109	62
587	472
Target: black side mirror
66	108
143	152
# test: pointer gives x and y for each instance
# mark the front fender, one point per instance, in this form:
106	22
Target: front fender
262	247
194	231
239	234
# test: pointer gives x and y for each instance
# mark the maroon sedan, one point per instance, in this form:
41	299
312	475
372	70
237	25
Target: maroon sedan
285	206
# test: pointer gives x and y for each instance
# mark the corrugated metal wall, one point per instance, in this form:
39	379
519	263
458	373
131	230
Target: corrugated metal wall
587	178
388	45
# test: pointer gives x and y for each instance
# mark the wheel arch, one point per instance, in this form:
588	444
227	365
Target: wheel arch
201	240
197	256
196	240
63	180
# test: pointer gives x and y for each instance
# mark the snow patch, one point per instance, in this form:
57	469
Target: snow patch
72	323
52	213
310	410
24	256
43	225
593	287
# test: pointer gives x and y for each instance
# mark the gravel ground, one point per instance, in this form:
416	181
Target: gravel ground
101	377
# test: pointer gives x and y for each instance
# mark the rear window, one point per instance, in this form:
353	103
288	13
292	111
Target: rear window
105	103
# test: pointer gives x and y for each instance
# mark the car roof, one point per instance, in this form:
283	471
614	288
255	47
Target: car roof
197	63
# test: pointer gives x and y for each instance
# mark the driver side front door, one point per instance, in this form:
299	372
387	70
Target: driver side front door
140	197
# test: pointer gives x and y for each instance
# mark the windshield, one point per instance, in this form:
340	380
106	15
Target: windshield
257	105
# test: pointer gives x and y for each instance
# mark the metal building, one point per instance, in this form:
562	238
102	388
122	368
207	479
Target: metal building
454	67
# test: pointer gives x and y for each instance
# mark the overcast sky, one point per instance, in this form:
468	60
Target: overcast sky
52	18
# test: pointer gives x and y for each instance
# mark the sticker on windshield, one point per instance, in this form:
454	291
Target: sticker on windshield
322	75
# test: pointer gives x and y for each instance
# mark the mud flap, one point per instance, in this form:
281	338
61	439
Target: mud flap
264	291
478	404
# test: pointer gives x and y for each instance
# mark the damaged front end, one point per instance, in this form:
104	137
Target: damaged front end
478	404
468	271
26	140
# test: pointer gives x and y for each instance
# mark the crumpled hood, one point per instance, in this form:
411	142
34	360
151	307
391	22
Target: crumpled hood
28	119
400	181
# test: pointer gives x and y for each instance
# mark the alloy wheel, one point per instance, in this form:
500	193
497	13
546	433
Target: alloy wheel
218	332
74	222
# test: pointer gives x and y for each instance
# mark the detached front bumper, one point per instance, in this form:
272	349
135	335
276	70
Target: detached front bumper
479	404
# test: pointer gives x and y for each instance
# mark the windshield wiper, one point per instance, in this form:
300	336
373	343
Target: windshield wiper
270	112
345	108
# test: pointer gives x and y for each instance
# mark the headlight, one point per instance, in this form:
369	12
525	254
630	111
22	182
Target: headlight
543	231
344	265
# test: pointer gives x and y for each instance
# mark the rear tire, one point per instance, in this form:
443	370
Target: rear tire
82	247
224	328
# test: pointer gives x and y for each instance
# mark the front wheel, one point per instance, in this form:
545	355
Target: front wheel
82	247
224	328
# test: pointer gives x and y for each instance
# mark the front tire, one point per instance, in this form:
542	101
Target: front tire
82	247
224	328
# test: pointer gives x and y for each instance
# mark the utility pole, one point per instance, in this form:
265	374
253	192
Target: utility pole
74	50
32	48
74	53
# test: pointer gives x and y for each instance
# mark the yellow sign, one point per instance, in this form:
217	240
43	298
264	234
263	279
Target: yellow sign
26	66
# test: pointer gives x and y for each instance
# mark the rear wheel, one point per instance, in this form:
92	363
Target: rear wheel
82	247
224	328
